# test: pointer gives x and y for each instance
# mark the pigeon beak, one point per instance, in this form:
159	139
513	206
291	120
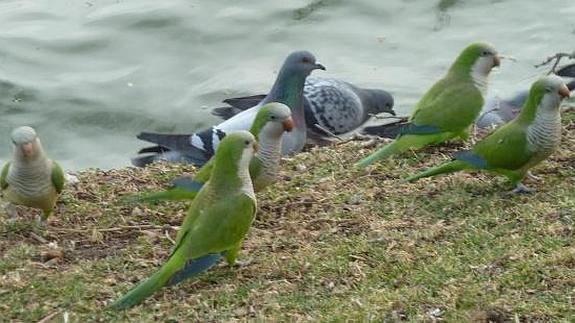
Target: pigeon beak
27	149
564	92
288	124
496	60
319	66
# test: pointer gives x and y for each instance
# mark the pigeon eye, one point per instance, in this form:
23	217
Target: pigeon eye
306	60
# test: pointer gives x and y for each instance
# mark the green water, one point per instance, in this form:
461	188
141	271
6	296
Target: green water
89	75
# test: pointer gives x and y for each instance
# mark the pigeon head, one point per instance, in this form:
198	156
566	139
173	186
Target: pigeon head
303	62
26	143
382	102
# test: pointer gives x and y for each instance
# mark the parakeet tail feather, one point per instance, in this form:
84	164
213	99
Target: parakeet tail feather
449	167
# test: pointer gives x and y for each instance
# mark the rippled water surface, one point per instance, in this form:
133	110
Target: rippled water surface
91	74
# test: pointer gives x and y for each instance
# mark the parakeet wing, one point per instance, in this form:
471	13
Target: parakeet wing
450	105
57	177
4	175
505	148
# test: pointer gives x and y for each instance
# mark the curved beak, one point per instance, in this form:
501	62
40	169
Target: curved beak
255	147
288	124
564	92
27	149
319	66
496	60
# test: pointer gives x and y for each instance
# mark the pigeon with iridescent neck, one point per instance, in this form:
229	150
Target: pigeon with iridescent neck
271	122
332	107
498	111
197	148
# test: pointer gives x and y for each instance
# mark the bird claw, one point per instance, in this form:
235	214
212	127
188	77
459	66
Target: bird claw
40	222
522	189
12	211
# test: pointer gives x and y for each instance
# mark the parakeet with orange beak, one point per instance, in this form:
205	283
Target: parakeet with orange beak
270	123
514	148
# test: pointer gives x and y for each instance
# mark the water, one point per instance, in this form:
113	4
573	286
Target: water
89	75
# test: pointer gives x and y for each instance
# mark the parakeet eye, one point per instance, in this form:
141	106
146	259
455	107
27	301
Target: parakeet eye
273	117
247	142
485	53
548	90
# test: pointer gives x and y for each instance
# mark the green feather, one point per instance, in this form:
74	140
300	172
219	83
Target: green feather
449	167
402	144
57	177
4	175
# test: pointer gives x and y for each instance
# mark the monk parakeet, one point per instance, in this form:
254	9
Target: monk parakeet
514	148
216	223
31	178
272	120
450	107
197	148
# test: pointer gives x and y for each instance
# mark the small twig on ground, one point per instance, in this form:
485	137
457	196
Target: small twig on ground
327	131
38	238
398	118
557	58
49	317
120	228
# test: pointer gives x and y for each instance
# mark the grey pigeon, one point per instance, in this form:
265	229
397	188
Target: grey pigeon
330	104
497	111
197	148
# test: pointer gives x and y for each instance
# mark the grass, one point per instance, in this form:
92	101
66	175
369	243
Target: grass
329	244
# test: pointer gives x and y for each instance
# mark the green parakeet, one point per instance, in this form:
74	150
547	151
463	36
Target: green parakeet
272	120
449	108
31	178
216	223
514	148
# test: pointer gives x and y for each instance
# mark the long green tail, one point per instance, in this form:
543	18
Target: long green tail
150	285
402	144
449	167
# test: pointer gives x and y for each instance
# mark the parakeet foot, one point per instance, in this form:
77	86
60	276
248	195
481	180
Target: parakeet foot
12	211
522	189
40	222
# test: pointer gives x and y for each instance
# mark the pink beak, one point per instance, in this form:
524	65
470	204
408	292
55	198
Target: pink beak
564	92
28	149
